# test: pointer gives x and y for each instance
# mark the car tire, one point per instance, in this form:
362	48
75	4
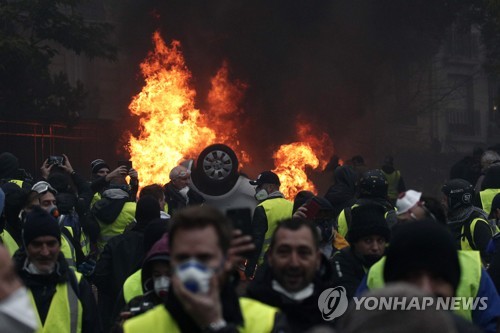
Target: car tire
216	170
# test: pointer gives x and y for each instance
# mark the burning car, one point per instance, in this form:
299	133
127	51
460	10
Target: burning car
216	177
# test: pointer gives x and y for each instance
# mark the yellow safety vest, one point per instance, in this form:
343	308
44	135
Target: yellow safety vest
116	228
9	242
95	198
342	222
132	287
468	286
18	182
393	180
68	250
487	198
277	210
65	311
258	318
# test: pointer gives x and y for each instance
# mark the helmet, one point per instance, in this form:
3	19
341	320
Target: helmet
373	183
459	193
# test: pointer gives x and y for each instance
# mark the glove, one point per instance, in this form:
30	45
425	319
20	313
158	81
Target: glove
87	267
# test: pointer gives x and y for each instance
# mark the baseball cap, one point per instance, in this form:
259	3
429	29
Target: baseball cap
407	200
266	177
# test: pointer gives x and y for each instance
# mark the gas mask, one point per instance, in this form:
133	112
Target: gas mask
261	195
161	285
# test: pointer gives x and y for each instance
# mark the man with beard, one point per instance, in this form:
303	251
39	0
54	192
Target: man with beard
367	236
61	297
295	274
201	295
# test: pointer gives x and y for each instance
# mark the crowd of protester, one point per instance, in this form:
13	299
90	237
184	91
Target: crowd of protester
107	254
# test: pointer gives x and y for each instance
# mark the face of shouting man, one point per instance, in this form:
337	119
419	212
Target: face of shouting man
294	258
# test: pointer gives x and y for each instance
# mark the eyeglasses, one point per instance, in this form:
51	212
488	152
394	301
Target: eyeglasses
42	187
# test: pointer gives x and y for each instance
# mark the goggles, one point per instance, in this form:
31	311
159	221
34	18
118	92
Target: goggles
42	187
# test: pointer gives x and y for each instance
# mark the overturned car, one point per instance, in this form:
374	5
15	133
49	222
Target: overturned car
216	177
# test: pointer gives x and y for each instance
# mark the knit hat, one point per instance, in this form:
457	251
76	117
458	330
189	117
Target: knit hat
407	200
367	220
9	165
97	165
40	223
422	246
148	208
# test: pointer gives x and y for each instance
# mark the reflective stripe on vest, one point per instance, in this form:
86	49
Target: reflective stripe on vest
487	198
132	287
464	242
68	250
65	311
468	286
257	317
116	228
342	222
9	242
277	210
393	180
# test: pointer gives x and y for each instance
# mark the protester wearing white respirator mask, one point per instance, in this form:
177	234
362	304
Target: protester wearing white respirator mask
177	191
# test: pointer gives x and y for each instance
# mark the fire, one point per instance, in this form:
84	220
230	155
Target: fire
225	114
291	160
172	129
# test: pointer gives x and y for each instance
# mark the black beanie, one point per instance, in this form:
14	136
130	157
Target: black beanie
422	246
40	223
148	208
366	220
97	165
8	166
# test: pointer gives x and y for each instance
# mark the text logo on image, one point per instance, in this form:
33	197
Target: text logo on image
332	303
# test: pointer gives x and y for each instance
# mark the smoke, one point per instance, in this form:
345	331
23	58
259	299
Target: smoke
332	63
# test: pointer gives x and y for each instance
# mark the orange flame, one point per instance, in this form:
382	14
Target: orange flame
225	115
291	160
171	128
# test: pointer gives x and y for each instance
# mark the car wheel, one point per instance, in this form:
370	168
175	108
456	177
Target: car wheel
216	170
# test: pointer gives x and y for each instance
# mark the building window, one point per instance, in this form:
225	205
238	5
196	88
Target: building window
460	112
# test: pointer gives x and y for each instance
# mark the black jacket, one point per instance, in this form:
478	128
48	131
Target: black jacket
43	288
176	201
121	257
348	271
301	315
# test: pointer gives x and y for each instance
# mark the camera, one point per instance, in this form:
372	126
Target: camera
55	160
141	308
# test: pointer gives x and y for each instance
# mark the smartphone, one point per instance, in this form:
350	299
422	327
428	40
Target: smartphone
241	218
313	207
57	160
128	164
